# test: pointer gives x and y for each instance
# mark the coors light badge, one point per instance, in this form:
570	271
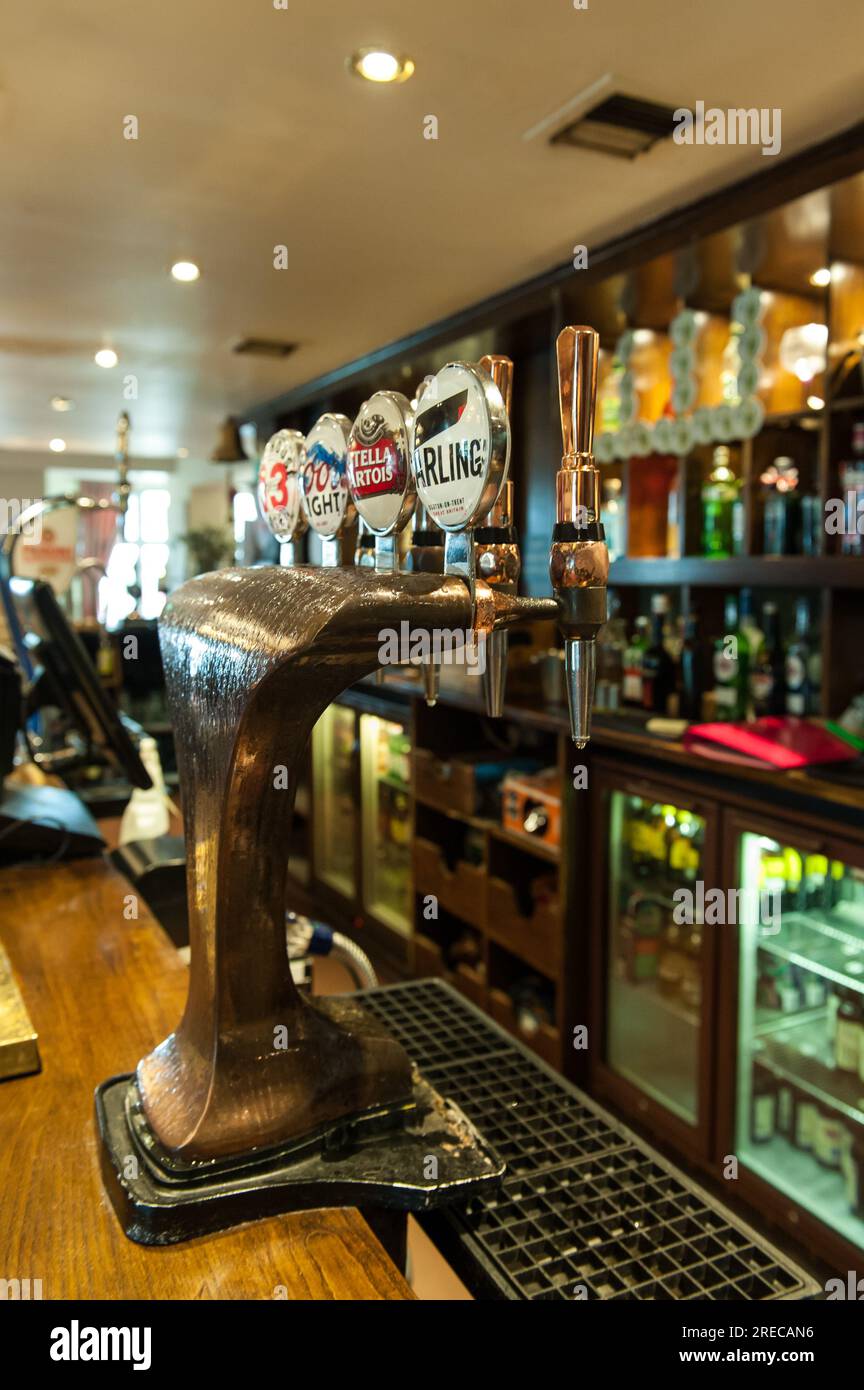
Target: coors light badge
460	446
279	485
378	471
326	500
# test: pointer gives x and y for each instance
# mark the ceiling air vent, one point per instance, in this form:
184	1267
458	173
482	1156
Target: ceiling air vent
264	347
623	126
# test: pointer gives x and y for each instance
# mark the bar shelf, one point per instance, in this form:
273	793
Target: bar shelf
819	939
813	1070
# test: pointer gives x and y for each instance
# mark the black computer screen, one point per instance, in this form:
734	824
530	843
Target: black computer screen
47	642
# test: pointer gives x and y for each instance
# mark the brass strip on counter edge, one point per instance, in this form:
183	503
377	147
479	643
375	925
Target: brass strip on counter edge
19	1048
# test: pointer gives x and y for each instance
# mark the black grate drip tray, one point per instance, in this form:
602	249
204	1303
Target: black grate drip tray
587	1210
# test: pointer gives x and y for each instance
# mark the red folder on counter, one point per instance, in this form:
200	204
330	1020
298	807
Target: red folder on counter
771	742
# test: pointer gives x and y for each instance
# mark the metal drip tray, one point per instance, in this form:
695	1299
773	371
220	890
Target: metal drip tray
587	1210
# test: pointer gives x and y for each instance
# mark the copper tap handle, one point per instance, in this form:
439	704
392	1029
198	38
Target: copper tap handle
501	371
577	350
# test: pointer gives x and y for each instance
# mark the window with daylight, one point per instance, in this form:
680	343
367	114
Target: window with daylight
140	559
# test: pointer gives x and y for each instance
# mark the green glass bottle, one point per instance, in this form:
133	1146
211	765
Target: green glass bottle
732	667
719	496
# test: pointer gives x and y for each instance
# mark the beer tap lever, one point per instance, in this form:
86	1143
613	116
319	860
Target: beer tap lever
279	482
460	454
579	560
325	496
380	479
497	559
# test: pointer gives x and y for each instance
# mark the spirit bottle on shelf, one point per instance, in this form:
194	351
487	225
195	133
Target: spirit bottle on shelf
731	667
782	517
768	668
614	517
747	623
658	668
632	689
691	682
719	496
803	666
852	479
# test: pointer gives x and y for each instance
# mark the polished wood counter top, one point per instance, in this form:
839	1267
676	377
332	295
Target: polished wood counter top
101	990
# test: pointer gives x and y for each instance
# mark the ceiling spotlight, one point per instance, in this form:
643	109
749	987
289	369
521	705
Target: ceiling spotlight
378	65
183	453
820	278
106	357
62	403
57	446
815	402
185	271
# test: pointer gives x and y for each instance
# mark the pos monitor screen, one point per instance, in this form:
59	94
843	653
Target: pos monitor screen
50	648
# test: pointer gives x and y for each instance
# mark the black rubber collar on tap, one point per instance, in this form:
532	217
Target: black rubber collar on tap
568	531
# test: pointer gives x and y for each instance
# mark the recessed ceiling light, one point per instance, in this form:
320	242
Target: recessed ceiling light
57	446
379	65
185	271
815	402
62	403
820	278
182	453
106	357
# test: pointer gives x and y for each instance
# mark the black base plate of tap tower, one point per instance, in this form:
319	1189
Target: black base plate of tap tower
411	1160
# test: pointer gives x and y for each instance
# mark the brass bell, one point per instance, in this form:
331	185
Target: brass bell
229	446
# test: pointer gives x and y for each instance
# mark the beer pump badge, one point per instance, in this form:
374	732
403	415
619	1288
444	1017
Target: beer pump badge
378	469
460	446
279	484
325	496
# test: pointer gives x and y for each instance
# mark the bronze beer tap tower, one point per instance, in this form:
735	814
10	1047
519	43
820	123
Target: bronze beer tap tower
579	560
264	1099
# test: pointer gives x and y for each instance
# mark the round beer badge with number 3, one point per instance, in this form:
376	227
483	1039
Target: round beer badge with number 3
326	499
460	446
379	474
279	484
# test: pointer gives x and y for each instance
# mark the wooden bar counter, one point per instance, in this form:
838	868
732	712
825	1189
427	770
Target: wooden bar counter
101	990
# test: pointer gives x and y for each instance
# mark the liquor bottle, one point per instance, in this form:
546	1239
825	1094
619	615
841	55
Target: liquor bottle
614	518
768	668
632	690
803	666
719	495
658	668
852	478
691	682
763	1115
731	667
747	623
847	1042
611	648
782	523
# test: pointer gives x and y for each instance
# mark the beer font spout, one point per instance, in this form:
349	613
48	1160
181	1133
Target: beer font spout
460	455
426	556
380	479
498	561
579	560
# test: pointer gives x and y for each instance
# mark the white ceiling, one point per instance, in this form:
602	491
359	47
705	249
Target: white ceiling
253	134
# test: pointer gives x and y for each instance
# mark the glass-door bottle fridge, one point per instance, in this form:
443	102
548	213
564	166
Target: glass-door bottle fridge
799	1107
656	959
385	777
334	778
